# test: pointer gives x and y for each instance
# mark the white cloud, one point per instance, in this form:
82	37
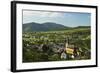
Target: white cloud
42	14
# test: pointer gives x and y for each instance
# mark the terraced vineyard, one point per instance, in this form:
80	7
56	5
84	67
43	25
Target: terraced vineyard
51	45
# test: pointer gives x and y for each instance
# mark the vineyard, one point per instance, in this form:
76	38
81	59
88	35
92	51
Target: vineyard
51	45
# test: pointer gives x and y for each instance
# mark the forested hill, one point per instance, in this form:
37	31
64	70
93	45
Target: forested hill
48	26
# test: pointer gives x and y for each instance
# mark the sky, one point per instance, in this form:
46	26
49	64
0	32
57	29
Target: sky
71	19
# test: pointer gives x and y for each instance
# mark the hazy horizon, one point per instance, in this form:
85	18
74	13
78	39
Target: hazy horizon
56	23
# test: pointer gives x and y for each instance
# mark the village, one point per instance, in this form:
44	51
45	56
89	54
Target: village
52	46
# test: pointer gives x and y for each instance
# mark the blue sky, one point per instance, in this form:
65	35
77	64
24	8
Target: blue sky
71	19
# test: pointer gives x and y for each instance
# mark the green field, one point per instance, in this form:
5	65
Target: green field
50	45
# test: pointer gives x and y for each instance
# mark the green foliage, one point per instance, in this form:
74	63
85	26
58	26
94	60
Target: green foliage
44	46
54	57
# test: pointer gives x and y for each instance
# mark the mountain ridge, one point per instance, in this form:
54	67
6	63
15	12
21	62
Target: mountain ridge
47	26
